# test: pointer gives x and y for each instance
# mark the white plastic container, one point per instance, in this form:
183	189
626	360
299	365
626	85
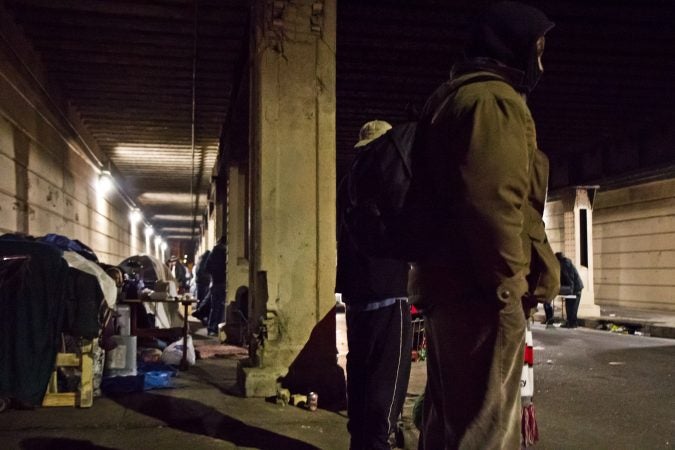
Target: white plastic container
121	361
123	320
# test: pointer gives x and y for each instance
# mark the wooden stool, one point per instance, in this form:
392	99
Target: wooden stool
84	397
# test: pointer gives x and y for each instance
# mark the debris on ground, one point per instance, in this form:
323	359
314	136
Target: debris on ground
623	328
618	329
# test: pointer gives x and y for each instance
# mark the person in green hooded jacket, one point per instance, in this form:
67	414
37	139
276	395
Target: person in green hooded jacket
478	153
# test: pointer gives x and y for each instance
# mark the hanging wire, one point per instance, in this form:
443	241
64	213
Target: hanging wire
194	118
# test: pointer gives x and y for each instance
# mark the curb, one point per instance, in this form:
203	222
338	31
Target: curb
647	328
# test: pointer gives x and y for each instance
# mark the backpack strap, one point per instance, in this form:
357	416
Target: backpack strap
451	88
454	86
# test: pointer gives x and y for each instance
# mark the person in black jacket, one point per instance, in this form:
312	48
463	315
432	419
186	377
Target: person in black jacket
202	281
215	266
180	272
378	331
569	277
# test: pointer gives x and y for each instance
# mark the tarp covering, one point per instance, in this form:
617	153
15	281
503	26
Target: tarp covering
148	267
32	311
108	287
149	270
65	243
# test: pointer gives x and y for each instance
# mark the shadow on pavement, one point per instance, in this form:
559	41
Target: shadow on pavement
42	443
194	417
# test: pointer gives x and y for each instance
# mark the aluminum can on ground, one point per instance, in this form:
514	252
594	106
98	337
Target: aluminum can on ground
312	401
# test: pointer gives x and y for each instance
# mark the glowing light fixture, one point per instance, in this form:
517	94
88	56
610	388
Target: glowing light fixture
164	246
105	182
149	231
135	216
158	240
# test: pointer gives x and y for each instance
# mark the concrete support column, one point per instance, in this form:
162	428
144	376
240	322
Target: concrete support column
293	256
578	241
211	219
237	228
219	212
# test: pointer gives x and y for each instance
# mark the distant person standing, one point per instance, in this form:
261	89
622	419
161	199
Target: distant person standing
570	281
378	330
548	311
202	283
215	266
179	272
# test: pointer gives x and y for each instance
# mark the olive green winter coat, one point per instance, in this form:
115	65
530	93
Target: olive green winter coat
478	152
479	146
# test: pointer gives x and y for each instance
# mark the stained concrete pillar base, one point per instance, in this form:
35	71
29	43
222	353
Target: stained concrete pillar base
259	381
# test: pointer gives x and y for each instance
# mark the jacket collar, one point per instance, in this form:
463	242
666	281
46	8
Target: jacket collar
512	76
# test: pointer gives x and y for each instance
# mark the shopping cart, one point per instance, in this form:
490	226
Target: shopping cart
419	341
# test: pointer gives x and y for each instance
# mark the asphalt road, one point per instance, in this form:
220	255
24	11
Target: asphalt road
594	390
601	390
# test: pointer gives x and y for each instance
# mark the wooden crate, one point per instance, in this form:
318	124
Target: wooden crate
84	397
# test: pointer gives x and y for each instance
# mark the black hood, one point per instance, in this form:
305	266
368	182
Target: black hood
507	32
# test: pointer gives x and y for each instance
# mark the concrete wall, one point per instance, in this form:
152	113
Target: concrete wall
633	242
47	176
634	234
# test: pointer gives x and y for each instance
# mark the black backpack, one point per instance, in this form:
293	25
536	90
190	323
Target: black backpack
373	193
385	213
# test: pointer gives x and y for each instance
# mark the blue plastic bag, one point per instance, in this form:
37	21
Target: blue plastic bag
157	379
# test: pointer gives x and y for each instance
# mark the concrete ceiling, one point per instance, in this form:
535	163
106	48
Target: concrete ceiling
608	81
129	68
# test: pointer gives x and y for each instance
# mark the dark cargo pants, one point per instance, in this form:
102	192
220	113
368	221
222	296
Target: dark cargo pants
475	359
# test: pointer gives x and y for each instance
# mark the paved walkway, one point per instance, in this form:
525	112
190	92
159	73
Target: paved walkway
202	412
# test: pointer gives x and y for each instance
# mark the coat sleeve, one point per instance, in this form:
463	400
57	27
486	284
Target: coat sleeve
495	174
544	277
